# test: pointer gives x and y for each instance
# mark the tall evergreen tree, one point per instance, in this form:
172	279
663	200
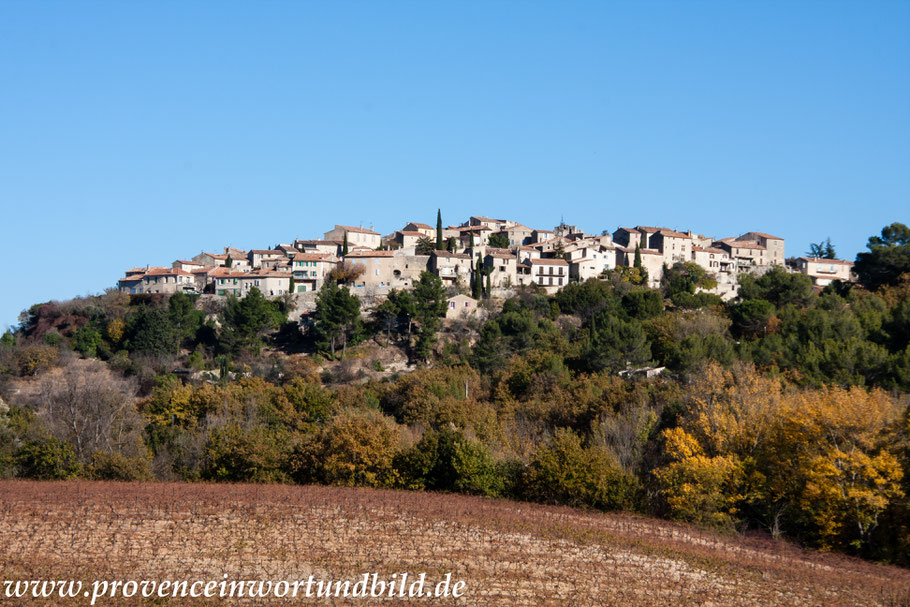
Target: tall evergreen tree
637	262
489	284
440	245
477	284
430	297
337	317
245	320
344	245
472	238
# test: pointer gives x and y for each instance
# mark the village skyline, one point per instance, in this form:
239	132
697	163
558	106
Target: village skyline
274	123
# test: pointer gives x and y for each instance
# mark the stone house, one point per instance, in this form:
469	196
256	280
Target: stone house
460	307
356	236
551	274
387	268
451	268
825	271
774	246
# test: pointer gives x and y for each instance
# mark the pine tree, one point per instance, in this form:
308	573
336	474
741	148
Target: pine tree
430	298
337	317
228	262
451	244
440	245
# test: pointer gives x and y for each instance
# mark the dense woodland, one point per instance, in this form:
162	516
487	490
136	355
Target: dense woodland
785	410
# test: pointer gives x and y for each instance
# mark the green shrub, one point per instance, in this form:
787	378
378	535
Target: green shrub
50	459
563	471
118	467
449	461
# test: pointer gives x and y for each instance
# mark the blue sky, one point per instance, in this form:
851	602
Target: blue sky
142	132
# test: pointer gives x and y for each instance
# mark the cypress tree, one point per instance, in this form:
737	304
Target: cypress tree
440	246
476	287
489	285
637	262
344	245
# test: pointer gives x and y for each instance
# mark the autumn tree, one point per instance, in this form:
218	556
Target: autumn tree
354	448
346	272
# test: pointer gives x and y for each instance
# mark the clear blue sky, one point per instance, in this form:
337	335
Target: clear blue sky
142	132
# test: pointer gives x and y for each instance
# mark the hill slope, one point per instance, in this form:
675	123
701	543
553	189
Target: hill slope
507	553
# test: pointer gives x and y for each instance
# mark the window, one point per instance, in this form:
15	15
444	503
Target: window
452	305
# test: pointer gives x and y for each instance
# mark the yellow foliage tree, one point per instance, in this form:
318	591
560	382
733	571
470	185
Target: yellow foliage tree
115	329
830	454
697	487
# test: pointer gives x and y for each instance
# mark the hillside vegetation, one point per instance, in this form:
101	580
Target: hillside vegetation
784	412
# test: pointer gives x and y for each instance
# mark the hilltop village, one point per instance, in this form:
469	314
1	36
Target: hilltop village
502	254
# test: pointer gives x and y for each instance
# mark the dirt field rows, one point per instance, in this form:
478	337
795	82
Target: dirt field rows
507	553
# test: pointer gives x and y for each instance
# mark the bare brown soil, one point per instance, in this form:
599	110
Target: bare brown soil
508	553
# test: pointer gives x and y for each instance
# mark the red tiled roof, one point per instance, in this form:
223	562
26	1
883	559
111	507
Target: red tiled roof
422	226
822	260
311	256
267	274
320	242
549	262
672	233
369	254
358	230
708	250
166	272
454	255
764	235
